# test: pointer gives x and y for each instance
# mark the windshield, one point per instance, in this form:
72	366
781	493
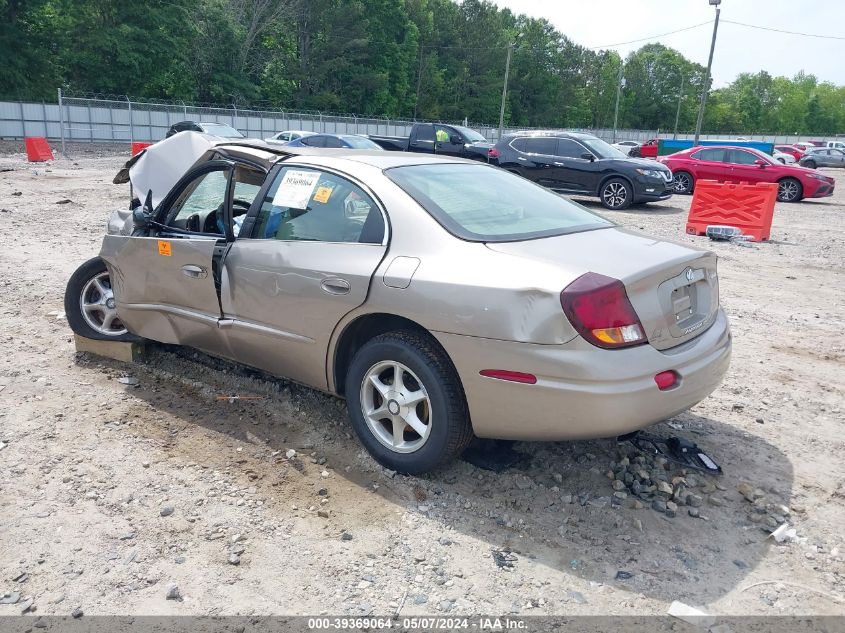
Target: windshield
220	129
471	135
485	204
359	142
602	149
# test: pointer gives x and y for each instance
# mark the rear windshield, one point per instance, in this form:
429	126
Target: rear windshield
221	129
487	204
359	142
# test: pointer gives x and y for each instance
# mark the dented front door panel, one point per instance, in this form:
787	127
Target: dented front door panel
165	289
282	300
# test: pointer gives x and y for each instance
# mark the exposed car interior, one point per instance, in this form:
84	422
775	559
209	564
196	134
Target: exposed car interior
199	208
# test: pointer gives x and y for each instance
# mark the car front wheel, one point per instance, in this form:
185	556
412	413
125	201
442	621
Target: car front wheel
810	164
406	403
789	190
616	194
682	182
90	304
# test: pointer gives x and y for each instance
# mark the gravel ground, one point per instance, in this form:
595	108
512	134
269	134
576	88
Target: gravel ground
112	493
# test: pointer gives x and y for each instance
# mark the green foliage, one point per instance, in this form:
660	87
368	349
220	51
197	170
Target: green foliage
401	58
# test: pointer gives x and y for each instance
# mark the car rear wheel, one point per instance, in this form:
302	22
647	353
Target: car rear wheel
406	403
682	182
90	304
616	194
789	190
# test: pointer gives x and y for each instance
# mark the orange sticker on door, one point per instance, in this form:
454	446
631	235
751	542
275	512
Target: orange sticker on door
164	248
322	194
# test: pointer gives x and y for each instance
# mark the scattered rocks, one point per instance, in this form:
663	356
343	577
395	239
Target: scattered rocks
11	597
290	453
234	559
173	592
420	599
76	613
345	536
167	510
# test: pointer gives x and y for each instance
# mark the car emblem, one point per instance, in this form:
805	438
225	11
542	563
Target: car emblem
690	274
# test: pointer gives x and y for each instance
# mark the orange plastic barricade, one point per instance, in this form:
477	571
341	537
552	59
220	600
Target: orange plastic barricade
747	207
37	149
137	148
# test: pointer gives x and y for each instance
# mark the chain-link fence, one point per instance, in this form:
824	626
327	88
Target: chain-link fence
119	119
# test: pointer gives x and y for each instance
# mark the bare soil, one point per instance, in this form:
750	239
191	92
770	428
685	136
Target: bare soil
88	463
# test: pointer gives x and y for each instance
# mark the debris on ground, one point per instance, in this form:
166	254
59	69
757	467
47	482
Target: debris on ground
691	615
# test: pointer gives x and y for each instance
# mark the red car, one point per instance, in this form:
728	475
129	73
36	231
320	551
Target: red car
646	150
794	150
743	164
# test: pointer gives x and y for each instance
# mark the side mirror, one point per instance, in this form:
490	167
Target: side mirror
456	140
760	162
142	214
588	156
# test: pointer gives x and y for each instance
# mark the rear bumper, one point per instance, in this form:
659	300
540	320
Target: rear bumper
583	391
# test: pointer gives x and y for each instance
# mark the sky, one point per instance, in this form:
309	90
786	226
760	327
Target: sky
597	23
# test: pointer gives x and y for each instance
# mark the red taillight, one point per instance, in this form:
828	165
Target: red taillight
598	307
513	376
666	380
493	153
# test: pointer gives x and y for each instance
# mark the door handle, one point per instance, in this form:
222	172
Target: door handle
195	272
559	164
335	286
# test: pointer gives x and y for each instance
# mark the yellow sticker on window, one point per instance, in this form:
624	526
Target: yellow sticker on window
164	248
322	194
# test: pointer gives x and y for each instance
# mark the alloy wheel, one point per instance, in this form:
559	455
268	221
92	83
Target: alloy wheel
396	406
615	194
787	190
98	306
681	183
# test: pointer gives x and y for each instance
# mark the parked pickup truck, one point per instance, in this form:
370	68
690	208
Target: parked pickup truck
436	138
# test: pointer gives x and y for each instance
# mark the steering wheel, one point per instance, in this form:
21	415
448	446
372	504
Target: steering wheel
240	205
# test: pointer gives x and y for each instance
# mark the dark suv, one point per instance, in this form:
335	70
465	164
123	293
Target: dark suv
584	165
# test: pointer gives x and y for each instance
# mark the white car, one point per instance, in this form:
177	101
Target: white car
783	157
287	136
626	146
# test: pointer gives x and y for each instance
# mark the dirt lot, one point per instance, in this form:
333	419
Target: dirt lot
89	465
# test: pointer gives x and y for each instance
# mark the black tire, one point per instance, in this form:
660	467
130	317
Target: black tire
790	190
616	194
77	285
781	161
683	182
810	164
450	431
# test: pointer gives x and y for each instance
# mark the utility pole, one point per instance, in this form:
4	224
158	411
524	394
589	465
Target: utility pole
505	91
706	88
678	113
419	81
618	93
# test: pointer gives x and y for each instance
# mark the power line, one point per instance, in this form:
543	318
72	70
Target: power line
651	37
766	28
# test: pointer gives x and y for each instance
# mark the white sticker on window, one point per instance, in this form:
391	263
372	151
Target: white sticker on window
295	189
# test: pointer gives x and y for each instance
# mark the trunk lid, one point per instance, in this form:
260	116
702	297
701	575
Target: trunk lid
674	289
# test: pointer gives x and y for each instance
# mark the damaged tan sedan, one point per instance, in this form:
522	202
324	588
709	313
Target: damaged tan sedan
441	298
